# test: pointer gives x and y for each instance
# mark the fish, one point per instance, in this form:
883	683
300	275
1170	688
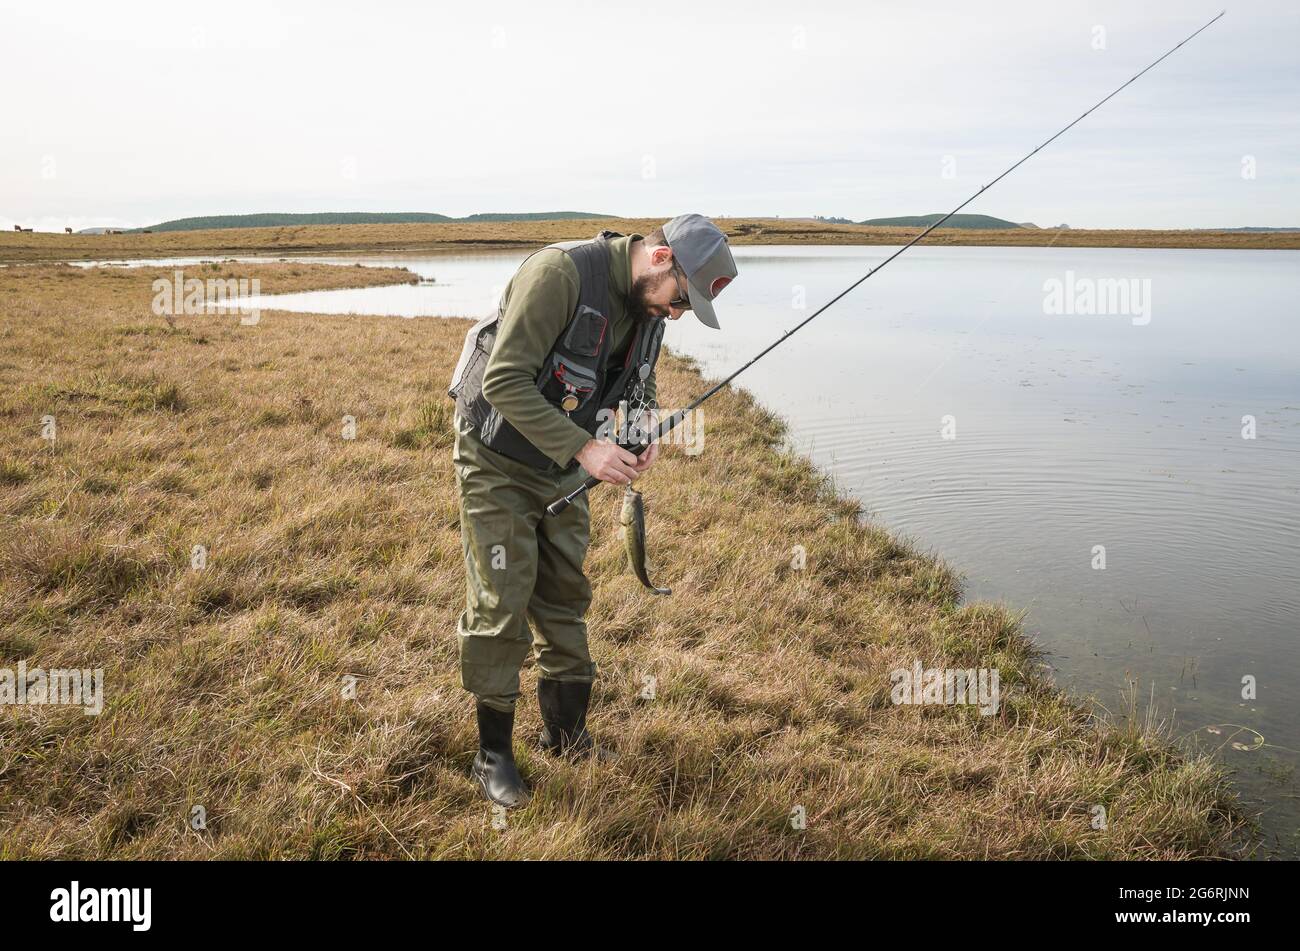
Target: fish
633	521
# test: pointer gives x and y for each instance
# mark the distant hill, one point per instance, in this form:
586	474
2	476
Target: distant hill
987	222
279	220
533	216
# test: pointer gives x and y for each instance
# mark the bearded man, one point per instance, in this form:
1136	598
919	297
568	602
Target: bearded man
577	332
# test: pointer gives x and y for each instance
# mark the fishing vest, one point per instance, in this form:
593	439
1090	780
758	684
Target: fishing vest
575	377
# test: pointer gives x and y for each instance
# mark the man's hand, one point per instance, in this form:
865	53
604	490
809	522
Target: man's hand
609	462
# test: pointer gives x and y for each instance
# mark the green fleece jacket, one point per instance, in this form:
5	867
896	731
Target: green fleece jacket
537	305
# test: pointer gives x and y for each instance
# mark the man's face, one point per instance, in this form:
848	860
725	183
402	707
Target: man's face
661	290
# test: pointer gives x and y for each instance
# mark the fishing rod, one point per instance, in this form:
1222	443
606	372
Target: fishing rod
559	505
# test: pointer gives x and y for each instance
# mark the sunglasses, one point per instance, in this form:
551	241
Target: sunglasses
682	301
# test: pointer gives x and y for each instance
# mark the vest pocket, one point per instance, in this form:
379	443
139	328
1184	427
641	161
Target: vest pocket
569	385
586	331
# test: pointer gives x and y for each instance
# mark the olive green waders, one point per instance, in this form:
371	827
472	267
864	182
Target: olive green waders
523	571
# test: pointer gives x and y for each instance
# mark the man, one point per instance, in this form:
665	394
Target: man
577	331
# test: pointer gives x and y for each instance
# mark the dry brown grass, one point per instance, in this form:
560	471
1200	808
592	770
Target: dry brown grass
16	247
331	558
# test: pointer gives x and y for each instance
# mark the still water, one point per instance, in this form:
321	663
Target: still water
1130	478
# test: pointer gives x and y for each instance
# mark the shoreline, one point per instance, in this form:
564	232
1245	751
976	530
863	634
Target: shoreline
17	248
773	681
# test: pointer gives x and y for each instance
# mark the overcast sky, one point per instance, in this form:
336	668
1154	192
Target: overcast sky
130	113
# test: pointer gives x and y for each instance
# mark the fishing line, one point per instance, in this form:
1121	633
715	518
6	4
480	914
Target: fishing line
559	505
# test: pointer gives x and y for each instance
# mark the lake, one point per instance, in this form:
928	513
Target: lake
1108	439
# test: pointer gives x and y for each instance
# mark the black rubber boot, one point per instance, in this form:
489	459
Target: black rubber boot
494	767
564	717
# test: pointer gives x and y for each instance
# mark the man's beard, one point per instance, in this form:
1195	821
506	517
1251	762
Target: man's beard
639	307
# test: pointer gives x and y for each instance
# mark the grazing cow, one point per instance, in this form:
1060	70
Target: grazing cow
67	231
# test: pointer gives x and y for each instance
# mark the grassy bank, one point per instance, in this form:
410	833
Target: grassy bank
27	247
83	295
333	558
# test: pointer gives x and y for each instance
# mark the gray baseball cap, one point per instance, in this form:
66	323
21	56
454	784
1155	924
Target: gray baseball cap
701	249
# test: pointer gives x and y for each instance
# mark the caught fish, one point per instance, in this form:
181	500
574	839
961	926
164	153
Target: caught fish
633	521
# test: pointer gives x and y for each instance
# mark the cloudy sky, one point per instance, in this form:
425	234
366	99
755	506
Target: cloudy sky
128	114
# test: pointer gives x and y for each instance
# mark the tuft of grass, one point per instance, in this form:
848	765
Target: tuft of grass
271	417
432	427
127	390
13	473
83	569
